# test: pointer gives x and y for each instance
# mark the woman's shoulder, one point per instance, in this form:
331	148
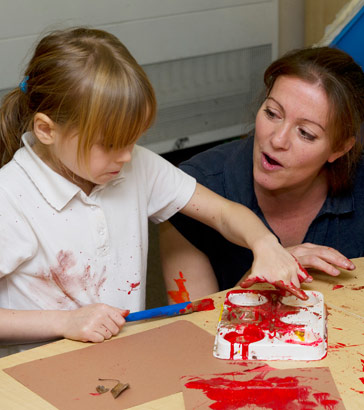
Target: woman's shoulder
214	160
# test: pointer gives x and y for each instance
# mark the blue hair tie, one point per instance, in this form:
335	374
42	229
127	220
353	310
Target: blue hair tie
23	85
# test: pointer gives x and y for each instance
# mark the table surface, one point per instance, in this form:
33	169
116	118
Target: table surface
345	356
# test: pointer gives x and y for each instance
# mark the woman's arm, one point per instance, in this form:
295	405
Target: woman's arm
179	255
272	263
92	323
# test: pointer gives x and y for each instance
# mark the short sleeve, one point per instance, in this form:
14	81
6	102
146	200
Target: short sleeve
168	188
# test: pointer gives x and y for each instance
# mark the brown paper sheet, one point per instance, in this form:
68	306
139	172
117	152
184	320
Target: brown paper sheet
306	388
152	362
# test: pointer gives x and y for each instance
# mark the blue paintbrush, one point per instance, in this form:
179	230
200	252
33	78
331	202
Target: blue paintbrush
172	310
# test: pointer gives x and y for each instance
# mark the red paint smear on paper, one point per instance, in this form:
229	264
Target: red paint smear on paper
358	288
133	286
95	394
265	319
282	393
337	287
337	328
324	400
181	295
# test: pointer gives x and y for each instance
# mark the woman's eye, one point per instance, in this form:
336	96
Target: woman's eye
307	135
269	113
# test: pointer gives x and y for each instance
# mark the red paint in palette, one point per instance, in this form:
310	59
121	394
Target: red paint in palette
273	393
181	295
252	316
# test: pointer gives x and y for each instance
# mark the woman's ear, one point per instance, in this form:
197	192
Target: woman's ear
348	146
44	128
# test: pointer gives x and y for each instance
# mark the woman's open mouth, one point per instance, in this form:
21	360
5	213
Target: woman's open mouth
269	163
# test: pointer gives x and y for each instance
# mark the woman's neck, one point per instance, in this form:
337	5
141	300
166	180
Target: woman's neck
290	212
291	199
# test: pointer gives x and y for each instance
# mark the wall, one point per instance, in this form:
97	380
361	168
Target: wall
318	14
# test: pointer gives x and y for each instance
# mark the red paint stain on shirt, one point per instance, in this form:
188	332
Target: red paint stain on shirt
133	286
73	284
273	393
181	295
337	287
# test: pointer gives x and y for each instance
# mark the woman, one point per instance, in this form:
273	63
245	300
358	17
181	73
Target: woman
301	173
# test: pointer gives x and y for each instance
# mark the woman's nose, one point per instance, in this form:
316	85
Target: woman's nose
281	137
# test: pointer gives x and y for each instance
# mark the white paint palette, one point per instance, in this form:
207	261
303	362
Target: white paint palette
264	325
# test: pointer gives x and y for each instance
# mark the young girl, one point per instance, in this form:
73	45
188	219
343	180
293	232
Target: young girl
76	197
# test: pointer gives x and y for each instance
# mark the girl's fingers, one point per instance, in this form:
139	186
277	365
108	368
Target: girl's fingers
250	282
291	288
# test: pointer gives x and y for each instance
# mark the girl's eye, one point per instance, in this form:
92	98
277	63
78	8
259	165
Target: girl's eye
306	135
270	114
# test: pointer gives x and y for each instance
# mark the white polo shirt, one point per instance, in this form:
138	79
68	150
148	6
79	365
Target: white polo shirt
62	249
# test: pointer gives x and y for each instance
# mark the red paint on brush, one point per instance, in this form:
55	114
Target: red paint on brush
273	393
204	304
337	287
181	295
198	306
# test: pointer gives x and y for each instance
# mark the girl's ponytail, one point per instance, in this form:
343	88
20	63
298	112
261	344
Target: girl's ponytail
14	121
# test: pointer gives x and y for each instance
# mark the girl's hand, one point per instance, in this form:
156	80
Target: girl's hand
273	264
322	258
93	323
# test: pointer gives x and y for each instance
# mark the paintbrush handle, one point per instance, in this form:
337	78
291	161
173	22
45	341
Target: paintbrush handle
170	310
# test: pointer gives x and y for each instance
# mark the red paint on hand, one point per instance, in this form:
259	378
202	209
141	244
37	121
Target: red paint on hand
291	288
181	295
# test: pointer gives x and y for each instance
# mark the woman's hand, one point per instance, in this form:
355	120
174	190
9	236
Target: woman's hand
92	323
321	258
273	264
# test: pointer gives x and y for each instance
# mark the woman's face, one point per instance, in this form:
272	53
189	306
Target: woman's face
291	142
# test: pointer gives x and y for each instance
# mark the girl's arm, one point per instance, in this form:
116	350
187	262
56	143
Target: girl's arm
272	263
179	255
92	323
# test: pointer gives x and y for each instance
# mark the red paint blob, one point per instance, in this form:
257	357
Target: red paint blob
337	287
181	295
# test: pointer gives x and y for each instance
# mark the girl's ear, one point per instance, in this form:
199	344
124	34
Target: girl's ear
44	128
348	146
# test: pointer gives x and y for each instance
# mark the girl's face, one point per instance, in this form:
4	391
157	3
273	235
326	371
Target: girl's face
102	166
291	142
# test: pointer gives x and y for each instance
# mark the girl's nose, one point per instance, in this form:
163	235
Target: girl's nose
124	154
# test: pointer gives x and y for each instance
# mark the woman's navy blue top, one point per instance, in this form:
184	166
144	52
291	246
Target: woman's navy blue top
227	169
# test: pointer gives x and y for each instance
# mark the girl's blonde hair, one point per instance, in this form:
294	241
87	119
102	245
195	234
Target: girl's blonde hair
86	81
